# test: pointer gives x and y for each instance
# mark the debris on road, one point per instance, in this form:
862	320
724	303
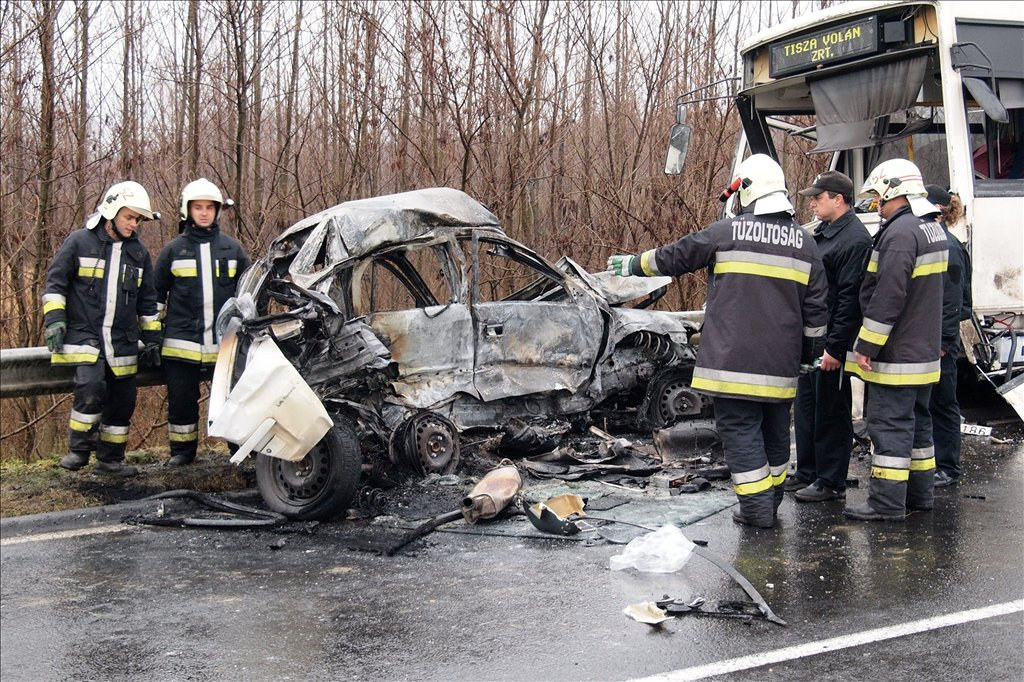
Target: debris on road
646	612
239	516
489	497
557	515
493	493
665	550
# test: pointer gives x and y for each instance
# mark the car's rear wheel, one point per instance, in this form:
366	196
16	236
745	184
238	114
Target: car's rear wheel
322	484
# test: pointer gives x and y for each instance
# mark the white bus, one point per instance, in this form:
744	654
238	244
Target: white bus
939	83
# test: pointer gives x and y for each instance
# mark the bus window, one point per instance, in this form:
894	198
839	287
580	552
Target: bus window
1008	161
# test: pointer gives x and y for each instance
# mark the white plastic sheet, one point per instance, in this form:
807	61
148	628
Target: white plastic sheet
665	550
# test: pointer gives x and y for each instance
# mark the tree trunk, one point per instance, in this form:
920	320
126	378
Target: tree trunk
81	126
195	77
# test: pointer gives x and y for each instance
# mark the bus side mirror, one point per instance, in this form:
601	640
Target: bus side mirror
678	145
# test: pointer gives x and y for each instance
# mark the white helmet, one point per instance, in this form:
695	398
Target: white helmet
125	194
899	178
199	190
762	181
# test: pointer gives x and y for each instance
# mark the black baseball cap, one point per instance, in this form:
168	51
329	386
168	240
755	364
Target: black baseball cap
829	181
937	195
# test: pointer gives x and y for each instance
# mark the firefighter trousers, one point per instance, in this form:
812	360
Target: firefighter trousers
946	419
101	412
902	459
823	428
755	436
183	406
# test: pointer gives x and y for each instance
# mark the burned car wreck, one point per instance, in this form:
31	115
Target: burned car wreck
385	327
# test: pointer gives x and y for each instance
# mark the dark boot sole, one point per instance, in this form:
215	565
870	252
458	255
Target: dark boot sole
825	498
736	518
873	517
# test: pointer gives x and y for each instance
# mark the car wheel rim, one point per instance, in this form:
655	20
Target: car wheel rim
431	444
677	400
306	478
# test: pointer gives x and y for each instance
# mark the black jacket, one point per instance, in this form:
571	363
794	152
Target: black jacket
196	273
844	246
956	294
766	306
103	290
902	302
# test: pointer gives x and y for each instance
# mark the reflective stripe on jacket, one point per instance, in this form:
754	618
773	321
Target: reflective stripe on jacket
103	290
766	302
901	300
196	273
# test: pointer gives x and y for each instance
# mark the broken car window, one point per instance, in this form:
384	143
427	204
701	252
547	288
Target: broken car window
506	274
403	279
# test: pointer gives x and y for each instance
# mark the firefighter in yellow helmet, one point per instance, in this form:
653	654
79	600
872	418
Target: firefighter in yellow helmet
98	304
195	274
765	306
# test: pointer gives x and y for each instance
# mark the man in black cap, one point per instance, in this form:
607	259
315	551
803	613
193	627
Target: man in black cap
822	419
956	306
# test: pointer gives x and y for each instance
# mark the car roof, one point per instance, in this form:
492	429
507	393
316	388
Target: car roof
367	224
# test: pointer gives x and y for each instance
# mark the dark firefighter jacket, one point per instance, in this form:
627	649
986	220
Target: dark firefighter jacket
765	307
196	273
844	246
103	290
901	299
956	294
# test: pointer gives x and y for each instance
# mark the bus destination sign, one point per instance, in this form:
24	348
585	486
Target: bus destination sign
823	47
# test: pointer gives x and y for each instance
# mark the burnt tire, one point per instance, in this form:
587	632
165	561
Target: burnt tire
320	486
670	399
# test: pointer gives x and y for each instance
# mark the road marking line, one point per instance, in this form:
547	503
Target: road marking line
61	535
836	643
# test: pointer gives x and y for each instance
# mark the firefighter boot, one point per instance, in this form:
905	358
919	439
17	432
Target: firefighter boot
886	502
184	439
780	494
757	509
74	460
738	517
181	460
921	489
115	468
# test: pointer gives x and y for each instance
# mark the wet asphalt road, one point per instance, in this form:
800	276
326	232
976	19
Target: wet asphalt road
145	603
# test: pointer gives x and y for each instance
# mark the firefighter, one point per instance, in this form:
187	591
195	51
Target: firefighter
765	307
98	303
897	348
195	274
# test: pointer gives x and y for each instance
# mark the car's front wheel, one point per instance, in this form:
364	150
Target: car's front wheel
322	484
670	398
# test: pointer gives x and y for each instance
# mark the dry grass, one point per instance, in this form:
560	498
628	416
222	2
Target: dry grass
42	486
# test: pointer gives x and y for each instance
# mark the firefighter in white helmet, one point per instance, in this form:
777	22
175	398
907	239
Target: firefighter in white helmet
898	346
99	304
195	274
765	306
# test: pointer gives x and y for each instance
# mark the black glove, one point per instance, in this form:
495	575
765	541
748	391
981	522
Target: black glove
149	356
54	336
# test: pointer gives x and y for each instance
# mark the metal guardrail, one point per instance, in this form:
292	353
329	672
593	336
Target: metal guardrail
27	371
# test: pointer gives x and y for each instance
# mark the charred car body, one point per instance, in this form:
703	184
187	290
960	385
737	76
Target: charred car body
394	323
